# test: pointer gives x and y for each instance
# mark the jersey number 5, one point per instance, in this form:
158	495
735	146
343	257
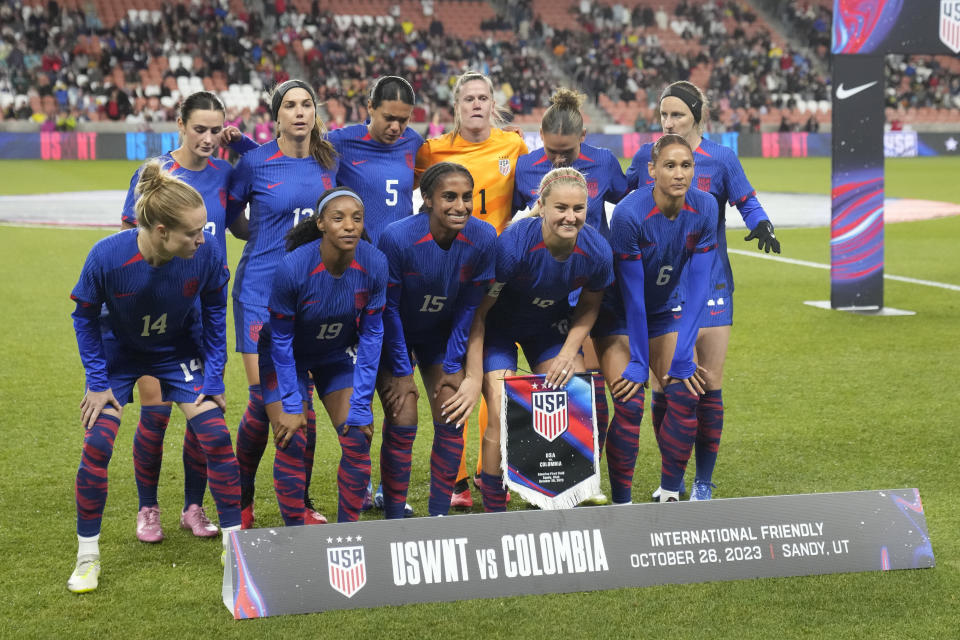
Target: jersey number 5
392	194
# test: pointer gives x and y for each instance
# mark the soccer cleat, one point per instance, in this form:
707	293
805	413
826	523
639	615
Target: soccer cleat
311	516
86	575
246	517
669	496
655	496
367	503
223	558
597	499
195	519
702	491
462	499
378	502
148	525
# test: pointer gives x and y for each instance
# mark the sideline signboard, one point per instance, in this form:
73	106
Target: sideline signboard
390	562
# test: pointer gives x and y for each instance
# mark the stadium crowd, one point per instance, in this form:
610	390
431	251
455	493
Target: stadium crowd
61	65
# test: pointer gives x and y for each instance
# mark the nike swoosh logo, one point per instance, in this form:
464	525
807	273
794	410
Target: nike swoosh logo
356	162
716	313
843	94
271	186
124	295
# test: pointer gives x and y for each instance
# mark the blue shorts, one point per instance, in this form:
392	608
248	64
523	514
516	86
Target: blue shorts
664	322
248	320
427	354
181	380
500	346
718	312
612	319
326	378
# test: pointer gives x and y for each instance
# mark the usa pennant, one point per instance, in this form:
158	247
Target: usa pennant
548	441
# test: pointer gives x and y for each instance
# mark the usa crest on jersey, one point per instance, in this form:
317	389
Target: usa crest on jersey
703	183
504	165
549	413
347	569
950	24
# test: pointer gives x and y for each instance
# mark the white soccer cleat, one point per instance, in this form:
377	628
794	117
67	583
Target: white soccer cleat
669	496
86	575
655	496
597	499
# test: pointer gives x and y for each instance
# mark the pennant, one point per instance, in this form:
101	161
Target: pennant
548	441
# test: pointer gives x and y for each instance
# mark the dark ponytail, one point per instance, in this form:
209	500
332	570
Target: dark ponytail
391	88
199	101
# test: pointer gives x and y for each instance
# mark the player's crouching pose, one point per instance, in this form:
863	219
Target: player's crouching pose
149	278
540	260
658	232
441	262
326	321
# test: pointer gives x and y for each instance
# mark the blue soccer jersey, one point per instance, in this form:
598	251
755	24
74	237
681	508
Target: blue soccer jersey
317	319
717	170
281	191
653	252
211	182
151	311
535	285
433	292
605	182
381	173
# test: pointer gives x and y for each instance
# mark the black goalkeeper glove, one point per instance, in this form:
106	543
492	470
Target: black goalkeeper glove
763	233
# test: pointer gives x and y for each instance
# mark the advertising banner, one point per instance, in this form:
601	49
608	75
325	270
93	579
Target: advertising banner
288	570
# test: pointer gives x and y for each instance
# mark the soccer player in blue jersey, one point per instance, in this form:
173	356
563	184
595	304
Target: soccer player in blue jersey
562	132
377	157
683	111
149	279
540	260
664	238
440	262
326	321
200	122
281	182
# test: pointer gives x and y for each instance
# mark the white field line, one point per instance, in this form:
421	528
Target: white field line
818	265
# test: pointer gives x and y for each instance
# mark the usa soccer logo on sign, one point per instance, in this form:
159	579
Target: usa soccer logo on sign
550	414
950	24
347	569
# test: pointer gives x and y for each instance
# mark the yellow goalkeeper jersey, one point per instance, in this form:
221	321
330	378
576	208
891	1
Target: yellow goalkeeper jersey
492	164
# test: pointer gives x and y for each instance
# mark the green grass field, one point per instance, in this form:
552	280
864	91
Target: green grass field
817	401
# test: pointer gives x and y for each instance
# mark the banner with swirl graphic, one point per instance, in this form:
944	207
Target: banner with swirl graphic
548	441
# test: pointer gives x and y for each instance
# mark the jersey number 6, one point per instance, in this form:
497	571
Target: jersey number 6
663	277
